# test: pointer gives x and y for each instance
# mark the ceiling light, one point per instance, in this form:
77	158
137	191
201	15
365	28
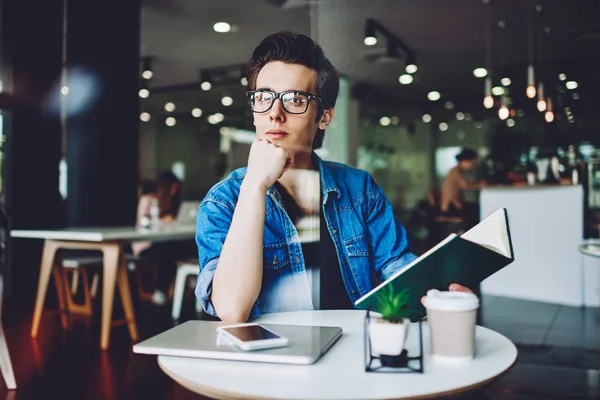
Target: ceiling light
549	115
147	74
395	120
227	101
497	90
64	90
572	85
575	96
530	91
244	81
370	40
562	77
510	122
488	100
434	95
503	112
405	79
222	27
196	113
169	107
170	121
206	85
144	93
478	124
215	118
443	126
480	72
505	81
541	103
145	117
147	67
449	105
426	118
385	121
460	116
411	68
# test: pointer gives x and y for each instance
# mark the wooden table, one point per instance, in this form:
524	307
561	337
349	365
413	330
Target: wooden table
340	374
110	242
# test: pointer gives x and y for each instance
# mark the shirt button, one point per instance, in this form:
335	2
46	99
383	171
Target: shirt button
334	231
353	292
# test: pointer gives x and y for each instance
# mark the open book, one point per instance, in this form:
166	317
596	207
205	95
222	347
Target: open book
467	260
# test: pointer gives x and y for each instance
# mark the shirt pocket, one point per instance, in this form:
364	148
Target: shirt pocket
276	256
357	246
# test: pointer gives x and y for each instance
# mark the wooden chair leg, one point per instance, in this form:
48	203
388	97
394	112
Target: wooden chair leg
84	309
75	281
61	294
125	292
111	255
94	287
48	255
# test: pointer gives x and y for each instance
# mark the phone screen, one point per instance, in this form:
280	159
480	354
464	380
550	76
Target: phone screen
251	333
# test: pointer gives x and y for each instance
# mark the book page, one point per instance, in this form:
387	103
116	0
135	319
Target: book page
491	233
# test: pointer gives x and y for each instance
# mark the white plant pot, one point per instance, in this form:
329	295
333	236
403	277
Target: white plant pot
387	338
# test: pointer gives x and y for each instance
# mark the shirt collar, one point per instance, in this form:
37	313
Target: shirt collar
328	184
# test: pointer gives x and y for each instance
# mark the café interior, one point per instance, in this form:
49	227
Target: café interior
100	102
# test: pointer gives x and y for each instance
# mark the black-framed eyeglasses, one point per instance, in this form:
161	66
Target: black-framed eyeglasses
292	101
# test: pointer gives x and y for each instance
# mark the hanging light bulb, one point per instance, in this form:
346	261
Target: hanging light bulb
549	115
488	100
503	111
530	82
541	103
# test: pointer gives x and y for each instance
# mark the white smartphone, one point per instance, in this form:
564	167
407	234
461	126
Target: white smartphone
252	336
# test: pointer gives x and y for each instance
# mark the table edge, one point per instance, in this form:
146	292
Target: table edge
222	395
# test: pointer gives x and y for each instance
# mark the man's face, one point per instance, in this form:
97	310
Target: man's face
468	165
293	132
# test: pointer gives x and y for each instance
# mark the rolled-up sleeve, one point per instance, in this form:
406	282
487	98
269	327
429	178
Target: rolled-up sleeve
389	240
212	224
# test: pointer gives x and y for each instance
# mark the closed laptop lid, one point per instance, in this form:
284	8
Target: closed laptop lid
200	339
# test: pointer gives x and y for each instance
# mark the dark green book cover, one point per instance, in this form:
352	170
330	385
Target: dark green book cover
454	260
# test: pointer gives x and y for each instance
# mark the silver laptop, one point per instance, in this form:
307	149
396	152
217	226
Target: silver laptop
187	212
199	339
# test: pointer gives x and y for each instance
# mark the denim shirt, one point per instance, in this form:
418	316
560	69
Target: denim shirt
359	218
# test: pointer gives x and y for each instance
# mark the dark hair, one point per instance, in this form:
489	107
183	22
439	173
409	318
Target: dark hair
293	48
168	193
467	154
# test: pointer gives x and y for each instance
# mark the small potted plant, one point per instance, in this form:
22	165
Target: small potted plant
388	331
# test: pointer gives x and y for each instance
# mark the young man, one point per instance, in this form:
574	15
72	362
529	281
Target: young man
251	259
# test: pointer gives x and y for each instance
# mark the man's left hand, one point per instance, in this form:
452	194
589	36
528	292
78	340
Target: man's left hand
455	287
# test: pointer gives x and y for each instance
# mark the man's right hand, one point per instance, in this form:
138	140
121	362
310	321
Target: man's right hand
266	163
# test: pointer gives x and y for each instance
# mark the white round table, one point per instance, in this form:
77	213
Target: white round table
340	373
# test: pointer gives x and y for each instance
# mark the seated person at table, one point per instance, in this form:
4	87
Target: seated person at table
251	258
452	199
163	255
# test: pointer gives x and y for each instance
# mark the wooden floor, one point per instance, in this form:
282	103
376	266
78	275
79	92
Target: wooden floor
558	354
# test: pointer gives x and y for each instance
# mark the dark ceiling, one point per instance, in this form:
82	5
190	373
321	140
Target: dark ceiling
448	38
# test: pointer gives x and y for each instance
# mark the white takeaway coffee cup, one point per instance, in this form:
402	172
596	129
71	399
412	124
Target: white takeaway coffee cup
452	319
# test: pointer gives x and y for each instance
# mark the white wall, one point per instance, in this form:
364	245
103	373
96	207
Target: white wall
546	225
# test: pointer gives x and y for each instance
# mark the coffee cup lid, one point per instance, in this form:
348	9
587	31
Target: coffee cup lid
451	301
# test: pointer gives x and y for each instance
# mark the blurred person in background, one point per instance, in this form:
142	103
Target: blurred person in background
166	196
452	196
